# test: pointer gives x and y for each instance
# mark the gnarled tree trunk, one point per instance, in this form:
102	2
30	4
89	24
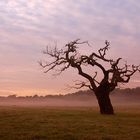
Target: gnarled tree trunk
102	95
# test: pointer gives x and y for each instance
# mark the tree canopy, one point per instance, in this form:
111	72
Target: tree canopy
69	57
112	75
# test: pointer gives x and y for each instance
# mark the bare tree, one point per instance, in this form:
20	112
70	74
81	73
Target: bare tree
114	74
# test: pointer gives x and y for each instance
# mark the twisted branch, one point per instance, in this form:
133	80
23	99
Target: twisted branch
68	57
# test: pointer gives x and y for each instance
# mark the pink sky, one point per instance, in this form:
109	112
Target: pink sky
26	27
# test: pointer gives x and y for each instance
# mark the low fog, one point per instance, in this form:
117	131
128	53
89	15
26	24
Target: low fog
125	97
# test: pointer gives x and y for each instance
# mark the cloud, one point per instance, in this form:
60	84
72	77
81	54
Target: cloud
27	26
69	18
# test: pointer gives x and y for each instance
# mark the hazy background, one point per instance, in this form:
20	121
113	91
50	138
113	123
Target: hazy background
27	26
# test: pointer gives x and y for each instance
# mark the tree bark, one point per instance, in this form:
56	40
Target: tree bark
104	102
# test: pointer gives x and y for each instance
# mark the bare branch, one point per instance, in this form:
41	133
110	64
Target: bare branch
102	51
69	57
95	79
122	75
81	84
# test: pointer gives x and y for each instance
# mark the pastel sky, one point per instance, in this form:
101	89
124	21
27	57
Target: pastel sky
27	26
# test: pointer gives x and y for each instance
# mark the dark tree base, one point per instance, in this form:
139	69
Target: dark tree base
104	102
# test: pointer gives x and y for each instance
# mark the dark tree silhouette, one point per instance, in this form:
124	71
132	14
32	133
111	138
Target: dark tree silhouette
114	74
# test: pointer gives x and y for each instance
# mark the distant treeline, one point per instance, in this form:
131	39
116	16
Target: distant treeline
80	94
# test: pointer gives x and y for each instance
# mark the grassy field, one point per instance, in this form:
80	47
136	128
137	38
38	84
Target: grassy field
61	123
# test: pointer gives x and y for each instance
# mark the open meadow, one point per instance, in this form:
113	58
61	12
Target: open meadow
68	123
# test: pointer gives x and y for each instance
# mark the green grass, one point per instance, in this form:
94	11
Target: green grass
52	123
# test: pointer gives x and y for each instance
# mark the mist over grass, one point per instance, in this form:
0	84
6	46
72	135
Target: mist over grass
120	97
70	117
